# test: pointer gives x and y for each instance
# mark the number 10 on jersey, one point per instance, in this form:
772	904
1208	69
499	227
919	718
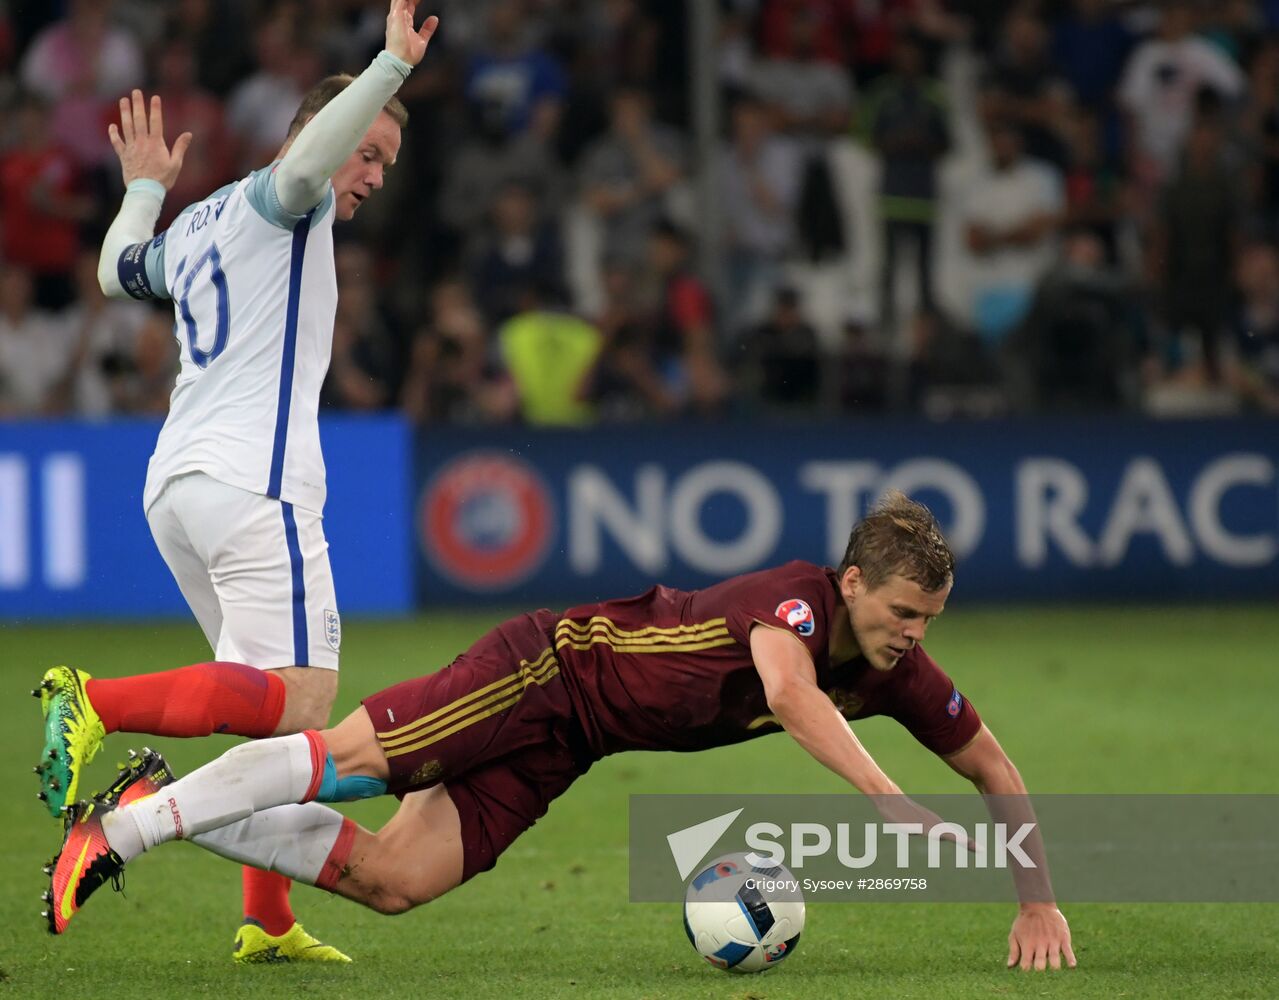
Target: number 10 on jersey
207	264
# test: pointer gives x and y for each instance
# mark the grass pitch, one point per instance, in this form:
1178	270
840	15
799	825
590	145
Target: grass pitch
1084	700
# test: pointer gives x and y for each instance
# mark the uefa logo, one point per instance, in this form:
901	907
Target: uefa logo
486	521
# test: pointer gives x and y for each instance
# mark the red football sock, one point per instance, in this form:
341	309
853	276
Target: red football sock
266	900
340	854
191	701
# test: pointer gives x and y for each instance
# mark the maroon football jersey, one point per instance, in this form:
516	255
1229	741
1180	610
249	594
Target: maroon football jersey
672	669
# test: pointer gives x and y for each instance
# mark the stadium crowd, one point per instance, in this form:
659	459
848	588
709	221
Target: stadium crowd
927	207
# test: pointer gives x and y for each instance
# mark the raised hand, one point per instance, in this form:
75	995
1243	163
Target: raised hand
401	40
139	142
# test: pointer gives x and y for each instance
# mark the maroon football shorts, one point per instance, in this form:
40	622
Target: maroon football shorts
496	727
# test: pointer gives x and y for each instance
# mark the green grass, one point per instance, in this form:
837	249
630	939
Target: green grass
1086	700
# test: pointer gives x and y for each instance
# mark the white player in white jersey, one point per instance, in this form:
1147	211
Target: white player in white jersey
235	489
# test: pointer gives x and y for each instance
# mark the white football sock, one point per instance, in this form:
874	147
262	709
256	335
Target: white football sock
244	780
294	840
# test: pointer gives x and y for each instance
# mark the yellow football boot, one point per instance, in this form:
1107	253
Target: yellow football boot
254	946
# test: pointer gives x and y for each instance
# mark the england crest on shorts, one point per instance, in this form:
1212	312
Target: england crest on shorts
332	629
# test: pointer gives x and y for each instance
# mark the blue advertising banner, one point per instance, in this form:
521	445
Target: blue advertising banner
74	542
1033	510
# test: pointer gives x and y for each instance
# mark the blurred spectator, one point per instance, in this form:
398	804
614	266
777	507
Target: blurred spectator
524	81
81	65
41	205
684	332
1262	126
1234	26
517	249
84	53
8	45
835	35
1094	188
1090	44
1079	347
671	58
1023	86
631	381
622	38
143	382
810	97
35	351
759	178
1194	241
949	372
262	105
354	33
615	44
103	335
782	365
862	370
905	121
367	362
810	100
453	377
550	355
627	173
736	47
487	160
1252	363
210	160
1162	82
1012	216
218	34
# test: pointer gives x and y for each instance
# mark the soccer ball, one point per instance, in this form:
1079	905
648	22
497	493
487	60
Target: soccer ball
741	917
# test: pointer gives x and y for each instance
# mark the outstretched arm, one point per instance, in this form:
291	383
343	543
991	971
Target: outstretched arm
150	169
1040	934
805	711
808	714
336	130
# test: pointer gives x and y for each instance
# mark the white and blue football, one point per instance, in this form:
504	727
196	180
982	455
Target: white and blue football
743	918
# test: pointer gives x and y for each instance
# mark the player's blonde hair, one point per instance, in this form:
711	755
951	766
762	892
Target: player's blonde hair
329	88
900	537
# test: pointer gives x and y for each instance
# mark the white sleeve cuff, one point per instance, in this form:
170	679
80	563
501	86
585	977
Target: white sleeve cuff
145	185
395	63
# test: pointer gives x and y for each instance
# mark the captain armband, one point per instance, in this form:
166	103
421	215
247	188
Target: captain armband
131	269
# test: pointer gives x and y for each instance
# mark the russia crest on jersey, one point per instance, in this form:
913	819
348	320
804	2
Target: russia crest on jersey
798	615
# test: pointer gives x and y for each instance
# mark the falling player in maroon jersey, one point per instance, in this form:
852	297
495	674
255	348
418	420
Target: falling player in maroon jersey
479	750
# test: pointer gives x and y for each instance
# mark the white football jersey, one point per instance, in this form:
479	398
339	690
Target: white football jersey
254	292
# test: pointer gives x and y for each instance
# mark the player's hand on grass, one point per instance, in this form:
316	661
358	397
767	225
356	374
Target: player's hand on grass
1039	938
402	41
139	142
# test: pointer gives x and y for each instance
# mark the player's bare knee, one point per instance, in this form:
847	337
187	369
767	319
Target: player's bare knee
390	903
386	888
309	693
402	895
